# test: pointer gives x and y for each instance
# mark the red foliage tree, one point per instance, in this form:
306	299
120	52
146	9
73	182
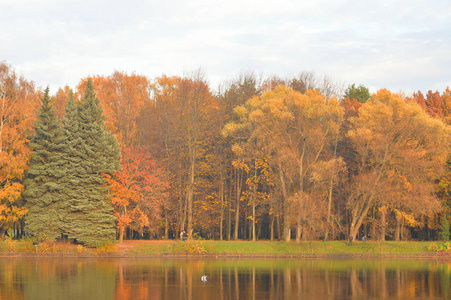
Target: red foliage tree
139	191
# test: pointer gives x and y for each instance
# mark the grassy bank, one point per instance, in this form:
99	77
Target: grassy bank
234	248
304	249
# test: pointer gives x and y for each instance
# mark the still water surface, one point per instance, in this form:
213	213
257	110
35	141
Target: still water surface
99	279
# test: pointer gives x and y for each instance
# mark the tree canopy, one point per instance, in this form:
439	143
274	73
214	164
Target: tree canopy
260	158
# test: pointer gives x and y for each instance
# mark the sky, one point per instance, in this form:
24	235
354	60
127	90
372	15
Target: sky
401	45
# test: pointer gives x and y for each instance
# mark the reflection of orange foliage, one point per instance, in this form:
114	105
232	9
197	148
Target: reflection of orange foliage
180	279
129	286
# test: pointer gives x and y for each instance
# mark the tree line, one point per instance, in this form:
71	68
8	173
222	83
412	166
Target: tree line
260	158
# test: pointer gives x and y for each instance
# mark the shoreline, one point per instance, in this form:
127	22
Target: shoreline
201	249
344	256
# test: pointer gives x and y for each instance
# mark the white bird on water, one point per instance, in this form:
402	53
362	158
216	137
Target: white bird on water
204	278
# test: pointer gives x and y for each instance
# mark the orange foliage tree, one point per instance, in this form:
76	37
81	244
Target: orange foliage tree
400	151
433	103
180	127
139	191
19	102
123	98
60	99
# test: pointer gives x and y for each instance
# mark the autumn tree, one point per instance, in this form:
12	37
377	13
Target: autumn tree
259	182
399	149
139	191
159	126
234	169
346	151
181	124
359	93
19	102
43	193
123	98
446	97
433	103
196	99
439	106
295	130
60	99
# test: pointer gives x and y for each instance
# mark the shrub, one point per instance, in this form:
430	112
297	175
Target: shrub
107	247
49	247
442	248
433	248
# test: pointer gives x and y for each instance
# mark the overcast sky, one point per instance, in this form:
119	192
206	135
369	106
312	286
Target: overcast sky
395	44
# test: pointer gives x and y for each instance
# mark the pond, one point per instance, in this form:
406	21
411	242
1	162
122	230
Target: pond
84	278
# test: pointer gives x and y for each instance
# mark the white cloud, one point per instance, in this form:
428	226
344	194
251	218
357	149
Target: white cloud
394	44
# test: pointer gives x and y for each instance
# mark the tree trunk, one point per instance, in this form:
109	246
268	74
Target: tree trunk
358	214
373	225
398	227
254	195
238	178
244	233
331	187
229	216
329	207
183	203
221	197
301	195
305	233
287	213
402	229
166	226
383	213
191	191
121	234
271	234
299	230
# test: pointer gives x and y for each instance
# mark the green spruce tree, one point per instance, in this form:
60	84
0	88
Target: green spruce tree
360	93
72	166
42	191
91	152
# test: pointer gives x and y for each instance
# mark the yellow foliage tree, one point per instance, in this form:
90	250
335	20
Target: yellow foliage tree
296	131
400	151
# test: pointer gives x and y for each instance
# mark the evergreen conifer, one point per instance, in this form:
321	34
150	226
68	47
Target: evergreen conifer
72	163
91	152
42	191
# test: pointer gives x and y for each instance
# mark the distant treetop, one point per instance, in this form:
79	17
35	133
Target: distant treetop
360	93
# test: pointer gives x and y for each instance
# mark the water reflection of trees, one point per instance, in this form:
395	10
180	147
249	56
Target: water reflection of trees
56	279
276	279
227	279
